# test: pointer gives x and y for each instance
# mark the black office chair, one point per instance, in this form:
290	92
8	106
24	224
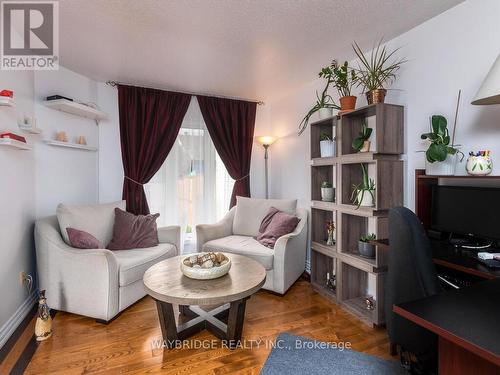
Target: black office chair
411	276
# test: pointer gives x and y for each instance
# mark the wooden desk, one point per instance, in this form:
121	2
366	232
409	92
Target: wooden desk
467	322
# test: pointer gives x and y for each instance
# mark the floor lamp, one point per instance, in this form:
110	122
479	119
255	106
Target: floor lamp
266	141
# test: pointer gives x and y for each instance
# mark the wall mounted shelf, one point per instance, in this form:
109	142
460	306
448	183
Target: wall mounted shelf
30	130
76	109
6	101
71	145
7	142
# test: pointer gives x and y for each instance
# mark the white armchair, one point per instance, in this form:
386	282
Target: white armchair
98	283
236	233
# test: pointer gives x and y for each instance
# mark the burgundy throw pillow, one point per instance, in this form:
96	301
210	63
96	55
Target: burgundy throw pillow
82	240
133	231
275	224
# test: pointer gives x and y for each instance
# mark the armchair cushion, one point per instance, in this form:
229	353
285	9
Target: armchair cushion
133	231
276	224
243	245
250	212
95	219
82	240
133	263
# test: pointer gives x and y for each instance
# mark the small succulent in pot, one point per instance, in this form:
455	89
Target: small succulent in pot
361	143
376	71
326	145
363	194
327	192
365	248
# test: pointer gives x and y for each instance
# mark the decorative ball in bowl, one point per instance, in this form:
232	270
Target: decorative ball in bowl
206	266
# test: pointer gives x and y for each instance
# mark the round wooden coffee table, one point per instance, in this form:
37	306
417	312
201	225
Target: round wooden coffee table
167	285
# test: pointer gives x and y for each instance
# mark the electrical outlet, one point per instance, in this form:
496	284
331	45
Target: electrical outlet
22	277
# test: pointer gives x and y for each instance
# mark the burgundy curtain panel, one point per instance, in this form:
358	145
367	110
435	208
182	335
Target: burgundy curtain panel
150	120
231	124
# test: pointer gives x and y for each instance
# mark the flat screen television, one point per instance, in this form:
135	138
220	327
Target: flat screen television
466	211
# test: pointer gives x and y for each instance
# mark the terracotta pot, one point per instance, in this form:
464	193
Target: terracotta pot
347	103
366	146
376	96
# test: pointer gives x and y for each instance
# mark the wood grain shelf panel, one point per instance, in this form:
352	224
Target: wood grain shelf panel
365	157
349	209
318	162
366	264
358	307
332	120
325	291
324	249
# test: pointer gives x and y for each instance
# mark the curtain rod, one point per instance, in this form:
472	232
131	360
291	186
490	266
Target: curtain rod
115	83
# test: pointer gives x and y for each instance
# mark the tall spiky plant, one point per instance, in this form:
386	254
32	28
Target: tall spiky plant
374	72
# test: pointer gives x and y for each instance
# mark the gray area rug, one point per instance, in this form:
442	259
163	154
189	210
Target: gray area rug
298	355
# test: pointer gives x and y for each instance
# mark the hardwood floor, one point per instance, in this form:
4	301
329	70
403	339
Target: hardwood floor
79	345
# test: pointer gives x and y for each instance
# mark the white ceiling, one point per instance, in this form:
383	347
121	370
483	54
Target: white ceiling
255	49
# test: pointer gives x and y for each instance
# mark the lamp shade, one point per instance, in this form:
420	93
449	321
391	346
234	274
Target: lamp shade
266	140
489	92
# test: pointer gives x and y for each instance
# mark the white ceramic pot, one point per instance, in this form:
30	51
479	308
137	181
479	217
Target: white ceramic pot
442	168
325	113
327	194
479	165
367	200
327	149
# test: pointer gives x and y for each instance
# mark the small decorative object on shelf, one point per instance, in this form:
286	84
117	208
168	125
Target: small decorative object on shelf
61	137
324	103
327	192
479	164
441	157
13	136
331	282
376	71
370	303
7	93
330	228
326	146
29	125
81	140
365	248
362	143
363	194
205	266
43	325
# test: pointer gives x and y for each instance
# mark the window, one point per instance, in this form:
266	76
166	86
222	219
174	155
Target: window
193	186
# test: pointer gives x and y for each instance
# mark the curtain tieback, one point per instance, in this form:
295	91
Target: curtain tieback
134	181
242	178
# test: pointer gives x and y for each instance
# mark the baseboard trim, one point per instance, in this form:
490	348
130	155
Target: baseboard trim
15	320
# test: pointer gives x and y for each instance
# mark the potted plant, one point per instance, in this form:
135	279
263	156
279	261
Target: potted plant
361	143
376	71
326	146
365	248
324	103
440	157
344	78
363	194
327	192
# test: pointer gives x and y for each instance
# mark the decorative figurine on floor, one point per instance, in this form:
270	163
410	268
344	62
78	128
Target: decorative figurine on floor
43	325
330	227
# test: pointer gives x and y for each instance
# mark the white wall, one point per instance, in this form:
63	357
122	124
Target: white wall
34	182
449	52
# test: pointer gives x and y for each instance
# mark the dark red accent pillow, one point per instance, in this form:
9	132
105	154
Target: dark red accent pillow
275	224
82	240
133	231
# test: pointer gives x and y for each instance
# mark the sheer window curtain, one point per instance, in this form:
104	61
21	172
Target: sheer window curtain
192	186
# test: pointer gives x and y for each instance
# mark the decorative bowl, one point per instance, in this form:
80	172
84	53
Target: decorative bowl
205	266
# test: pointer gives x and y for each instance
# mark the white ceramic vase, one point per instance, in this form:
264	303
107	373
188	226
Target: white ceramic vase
327	149
479	165
328	194
442	168
325	113
366	199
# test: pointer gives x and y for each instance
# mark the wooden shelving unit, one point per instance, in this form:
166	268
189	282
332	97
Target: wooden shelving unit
354	274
